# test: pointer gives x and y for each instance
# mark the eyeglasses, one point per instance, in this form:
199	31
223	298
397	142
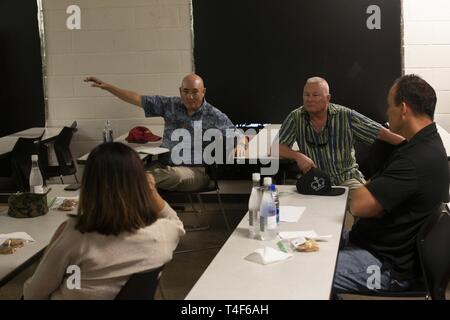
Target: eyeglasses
313	139
188	93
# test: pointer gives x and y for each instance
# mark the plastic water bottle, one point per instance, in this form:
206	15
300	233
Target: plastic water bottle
108	132
253	207
268	215
36	181
267	182
276	199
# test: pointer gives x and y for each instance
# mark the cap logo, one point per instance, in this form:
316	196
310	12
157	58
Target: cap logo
318	183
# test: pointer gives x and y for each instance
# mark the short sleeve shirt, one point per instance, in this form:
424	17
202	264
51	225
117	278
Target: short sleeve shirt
412	184
331	149
192	130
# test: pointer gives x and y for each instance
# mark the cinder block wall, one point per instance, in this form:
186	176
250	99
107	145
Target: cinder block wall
141	45
427	48
145	45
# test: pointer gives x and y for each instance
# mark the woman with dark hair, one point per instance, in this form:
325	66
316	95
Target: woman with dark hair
123	226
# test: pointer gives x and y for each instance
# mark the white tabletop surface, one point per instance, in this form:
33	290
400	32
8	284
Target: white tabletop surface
305	276
7	142
262	145
83	158
40	229
445	136
36	132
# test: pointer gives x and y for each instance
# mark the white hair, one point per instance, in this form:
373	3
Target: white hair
321	81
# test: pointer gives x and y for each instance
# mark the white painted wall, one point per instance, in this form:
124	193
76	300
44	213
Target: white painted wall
141	45
145	45
427	48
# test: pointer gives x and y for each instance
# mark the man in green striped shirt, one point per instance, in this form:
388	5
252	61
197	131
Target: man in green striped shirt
325	133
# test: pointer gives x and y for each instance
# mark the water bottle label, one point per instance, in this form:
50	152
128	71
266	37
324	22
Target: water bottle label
271	222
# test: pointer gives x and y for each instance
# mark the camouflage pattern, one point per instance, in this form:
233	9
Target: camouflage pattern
27	205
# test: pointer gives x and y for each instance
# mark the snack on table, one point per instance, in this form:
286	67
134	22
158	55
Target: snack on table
7	250
308	246
9	246
68	205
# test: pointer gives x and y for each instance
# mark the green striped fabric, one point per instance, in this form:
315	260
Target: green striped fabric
332	149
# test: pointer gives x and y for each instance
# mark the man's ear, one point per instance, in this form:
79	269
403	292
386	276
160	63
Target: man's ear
204	91
328	97
405	108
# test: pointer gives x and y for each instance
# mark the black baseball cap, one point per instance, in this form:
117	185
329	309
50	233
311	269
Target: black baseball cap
317	182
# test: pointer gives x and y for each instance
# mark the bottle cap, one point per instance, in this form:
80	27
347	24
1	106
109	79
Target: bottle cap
256	177
267	181
34	157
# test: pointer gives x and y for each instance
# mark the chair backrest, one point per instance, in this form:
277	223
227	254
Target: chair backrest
21	160
74	126
433	243
372	158
141	286
63	153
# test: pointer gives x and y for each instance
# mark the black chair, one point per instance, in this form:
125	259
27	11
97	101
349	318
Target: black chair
213	186
141	286
19	167
379	153
433	246
61	145
434	251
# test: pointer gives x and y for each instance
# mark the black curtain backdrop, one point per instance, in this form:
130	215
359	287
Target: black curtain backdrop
255	55
21	89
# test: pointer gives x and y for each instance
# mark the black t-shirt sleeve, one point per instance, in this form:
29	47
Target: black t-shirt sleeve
395	184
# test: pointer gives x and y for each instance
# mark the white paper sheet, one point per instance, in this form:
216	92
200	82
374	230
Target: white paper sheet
267	255
291	213
16	235
151	150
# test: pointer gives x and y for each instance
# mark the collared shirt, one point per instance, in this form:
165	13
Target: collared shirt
176	117
412	184
332	148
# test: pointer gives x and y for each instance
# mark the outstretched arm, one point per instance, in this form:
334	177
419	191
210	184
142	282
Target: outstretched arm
125	95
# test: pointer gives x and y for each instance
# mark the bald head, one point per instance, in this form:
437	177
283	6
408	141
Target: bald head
192	92
192	79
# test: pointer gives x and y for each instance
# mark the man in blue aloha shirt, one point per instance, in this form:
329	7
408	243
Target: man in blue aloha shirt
186	118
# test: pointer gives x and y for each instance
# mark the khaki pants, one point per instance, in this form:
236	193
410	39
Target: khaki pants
352	184
173	178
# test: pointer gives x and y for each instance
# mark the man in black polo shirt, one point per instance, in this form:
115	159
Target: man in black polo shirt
379	253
